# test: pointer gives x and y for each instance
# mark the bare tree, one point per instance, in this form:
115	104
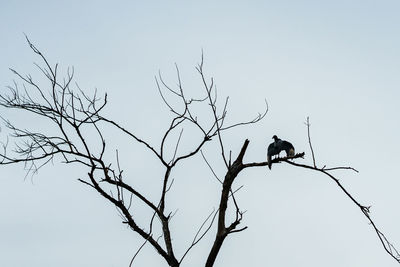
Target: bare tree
73	113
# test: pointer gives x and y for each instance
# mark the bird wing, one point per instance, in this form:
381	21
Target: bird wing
288	147
272	150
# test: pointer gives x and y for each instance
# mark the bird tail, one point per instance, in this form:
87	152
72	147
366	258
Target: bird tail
269	161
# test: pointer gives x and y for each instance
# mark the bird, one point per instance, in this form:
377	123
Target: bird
276	147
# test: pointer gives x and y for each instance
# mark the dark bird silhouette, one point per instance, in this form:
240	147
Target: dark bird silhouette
273	149
276	147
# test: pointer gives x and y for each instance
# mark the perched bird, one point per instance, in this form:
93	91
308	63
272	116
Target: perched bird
276	147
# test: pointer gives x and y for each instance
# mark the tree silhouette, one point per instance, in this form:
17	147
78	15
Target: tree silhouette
77	136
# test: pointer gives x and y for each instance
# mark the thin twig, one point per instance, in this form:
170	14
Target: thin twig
309	141
209	166
137	252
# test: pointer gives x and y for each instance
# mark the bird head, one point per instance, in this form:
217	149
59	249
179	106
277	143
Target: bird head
275	137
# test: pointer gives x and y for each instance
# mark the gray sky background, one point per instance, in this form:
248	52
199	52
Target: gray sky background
335	61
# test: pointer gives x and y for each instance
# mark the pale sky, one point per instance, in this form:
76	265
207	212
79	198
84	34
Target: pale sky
335	61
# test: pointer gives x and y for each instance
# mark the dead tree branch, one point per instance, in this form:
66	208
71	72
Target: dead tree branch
76	136
74	113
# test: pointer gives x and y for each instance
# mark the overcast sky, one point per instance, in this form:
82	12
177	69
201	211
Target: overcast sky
335	61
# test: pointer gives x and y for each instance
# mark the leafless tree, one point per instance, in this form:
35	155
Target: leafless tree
73	113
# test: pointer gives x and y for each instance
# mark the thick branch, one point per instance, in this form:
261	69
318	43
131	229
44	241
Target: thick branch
119	204
222	230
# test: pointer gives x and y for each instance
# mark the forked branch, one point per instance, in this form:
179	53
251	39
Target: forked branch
73	114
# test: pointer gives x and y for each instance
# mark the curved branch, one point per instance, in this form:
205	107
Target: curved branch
389	248
135	137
